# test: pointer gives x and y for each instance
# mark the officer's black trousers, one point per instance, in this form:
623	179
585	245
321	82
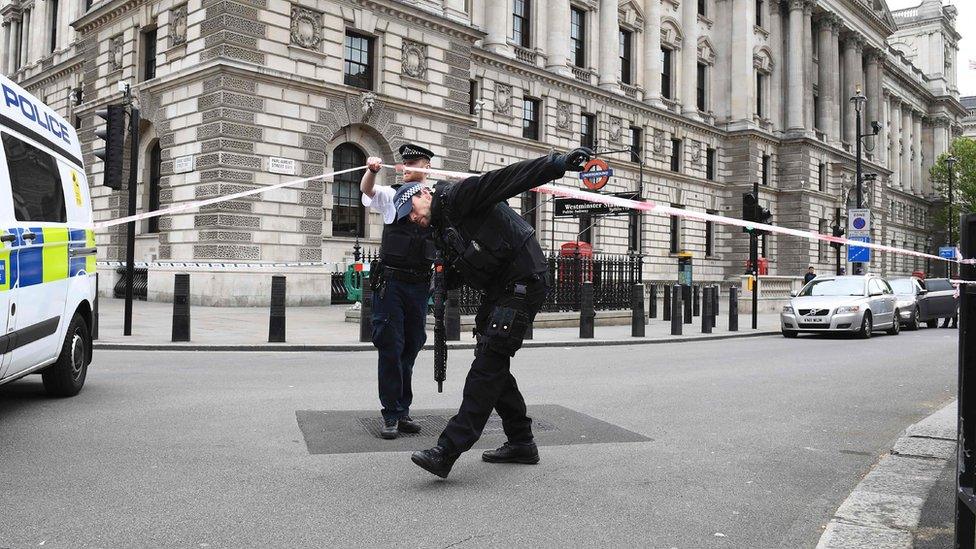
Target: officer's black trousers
490	384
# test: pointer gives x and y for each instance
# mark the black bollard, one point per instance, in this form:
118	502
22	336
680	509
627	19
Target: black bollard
718	297
587	314
181	307
666	316
366	312
706	317
696	300
637	311
452	317
94	328
713	298
276	324
676	306
687	302
652	302
733	309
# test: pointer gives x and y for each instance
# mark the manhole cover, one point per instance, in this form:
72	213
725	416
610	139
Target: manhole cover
355	431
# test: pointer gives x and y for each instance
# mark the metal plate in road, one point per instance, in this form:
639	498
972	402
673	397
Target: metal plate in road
357	431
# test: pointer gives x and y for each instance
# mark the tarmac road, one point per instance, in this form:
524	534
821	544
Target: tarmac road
754	443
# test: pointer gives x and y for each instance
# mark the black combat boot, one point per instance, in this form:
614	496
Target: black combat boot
408	425
436	460
389	429
513	453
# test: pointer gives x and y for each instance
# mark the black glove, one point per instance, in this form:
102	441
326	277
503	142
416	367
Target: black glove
576	158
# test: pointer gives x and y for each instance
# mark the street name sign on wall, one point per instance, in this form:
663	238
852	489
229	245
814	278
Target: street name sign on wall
574	207
284	166
183	164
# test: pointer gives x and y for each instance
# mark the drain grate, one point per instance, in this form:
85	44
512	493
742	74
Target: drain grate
432	425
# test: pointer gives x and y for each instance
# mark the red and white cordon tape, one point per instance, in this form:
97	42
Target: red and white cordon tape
649	206
549	188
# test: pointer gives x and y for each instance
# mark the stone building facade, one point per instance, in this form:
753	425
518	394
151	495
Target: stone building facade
716	94
969	122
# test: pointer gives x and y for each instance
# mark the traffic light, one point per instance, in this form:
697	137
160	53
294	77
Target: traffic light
750	209
838	232
764	216
114	137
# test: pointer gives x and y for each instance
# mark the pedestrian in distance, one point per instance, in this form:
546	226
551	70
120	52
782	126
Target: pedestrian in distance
491	248
811	274
401	287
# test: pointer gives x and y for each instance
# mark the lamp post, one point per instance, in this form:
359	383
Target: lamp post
859	101
950	165
928	251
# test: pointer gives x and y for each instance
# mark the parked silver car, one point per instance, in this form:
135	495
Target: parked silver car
854	304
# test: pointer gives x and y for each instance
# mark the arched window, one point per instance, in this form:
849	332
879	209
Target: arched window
348	214
155	163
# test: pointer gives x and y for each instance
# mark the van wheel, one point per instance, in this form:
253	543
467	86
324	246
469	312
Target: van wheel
66	377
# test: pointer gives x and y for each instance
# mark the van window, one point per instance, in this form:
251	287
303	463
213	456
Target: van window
939	285
35	182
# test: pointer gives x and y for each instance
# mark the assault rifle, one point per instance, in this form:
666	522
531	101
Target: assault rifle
440	333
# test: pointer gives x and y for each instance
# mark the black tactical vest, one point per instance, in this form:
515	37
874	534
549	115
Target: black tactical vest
404	246
491	248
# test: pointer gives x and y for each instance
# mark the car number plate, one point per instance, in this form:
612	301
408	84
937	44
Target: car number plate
815	320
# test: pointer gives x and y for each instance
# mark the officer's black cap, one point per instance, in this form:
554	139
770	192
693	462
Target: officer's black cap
411	151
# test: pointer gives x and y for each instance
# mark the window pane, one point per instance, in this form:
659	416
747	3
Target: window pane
35	182
666	73
577	36
520	23
675	155
701	86
358	61
155	165
588	130
149	54
625	71
347	212
530	118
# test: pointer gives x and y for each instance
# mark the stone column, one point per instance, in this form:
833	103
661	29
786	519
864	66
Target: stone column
827	82
872	89
907	184
836	115
652	53
883	154
6	46
894	152
40	40
13	46
852	71
497	14
689	59
776	97
808	110
917	175
609	40
794	110
557	42
25	34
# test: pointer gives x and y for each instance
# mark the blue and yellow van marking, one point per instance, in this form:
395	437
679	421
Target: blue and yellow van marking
46	258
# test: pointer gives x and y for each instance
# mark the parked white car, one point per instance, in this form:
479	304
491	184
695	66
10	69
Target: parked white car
853	304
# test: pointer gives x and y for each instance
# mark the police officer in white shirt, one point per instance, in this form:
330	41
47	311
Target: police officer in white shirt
401	290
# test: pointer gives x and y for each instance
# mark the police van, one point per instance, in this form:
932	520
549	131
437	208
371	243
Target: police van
47	246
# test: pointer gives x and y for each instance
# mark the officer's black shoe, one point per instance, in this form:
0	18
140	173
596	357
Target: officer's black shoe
408	425
513	453
389	429
436	460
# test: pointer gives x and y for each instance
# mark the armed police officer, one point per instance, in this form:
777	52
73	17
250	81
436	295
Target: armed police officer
401	283
491	248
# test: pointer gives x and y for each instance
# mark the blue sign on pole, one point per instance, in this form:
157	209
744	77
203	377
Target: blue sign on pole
858	254
947	252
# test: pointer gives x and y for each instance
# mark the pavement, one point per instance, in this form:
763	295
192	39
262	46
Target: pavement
742	443
325	329
886	508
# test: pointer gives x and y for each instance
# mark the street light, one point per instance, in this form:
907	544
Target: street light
928	251
859	101
950	165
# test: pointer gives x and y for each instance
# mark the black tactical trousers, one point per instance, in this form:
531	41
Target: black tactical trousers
500	323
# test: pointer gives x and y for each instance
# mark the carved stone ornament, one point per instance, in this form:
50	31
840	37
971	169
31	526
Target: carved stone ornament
367	102
177	25
616	128
564	115
658	142
696	151
503	98
415	59
115	53
306	27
